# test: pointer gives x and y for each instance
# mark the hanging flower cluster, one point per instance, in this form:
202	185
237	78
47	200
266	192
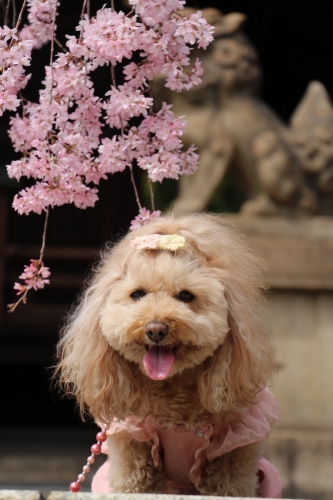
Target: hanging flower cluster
40	17
14	55
144	217
16	47
61	136
34	276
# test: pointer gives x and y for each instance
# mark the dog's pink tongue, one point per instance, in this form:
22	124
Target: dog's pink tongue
158	362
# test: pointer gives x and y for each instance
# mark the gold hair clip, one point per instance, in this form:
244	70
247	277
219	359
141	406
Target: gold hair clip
171	242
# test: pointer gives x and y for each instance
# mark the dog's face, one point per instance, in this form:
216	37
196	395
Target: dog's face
166	313
149	315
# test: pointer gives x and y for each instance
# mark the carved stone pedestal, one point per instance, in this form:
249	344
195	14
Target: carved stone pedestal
299	258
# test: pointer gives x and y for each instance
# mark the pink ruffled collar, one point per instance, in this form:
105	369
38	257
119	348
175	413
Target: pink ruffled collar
193	445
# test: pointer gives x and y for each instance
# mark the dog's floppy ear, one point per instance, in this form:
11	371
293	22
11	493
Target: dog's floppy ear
102	382
243	363
239	368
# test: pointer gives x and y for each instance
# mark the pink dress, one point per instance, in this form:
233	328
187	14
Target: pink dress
186	449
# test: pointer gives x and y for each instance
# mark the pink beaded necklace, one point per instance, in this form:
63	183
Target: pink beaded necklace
96	449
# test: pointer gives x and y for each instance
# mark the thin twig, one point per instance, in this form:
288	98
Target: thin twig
53	37
39	264
52	50
131	169
83	8
113	76
134	186
7	13
12	307
152	199
114	83
14	12
60	45
42	250
136	193
20	14
22	97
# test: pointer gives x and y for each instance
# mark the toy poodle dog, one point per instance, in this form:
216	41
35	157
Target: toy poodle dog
166	349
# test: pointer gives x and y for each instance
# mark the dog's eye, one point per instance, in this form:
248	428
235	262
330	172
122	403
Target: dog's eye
138	294
185	296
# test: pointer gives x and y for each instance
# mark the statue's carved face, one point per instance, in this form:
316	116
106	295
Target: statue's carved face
237	62
228	52
317	151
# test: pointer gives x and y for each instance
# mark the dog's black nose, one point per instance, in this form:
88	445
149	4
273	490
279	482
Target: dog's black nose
156	331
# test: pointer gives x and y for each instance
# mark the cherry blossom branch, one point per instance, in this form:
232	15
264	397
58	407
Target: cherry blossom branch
52	50
136	193
85	8
14	11
19	20
152	199
35	275
130	165
42	250
7	12
12	307
60	45
151	190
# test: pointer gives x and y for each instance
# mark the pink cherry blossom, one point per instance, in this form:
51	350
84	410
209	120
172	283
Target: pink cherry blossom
143	218
124	103
112	155
195	29
8	33
110	36
40	18
71	138
35	276
153	12
14	55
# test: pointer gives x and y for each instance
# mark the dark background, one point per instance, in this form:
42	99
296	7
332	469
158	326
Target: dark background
295	43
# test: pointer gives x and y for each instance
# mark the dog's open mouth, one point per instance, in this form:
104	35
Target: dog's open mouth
158	361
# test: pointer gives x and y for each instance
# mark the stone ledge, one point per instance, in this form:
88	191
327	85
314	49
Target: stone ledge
57	495
64	495
298	252
20	495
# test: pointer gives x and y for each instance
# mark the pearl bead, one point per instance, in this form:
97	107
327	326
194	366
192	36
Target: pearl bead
81	477
101	437
86	469
74	487
91	459
199	433
96	449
